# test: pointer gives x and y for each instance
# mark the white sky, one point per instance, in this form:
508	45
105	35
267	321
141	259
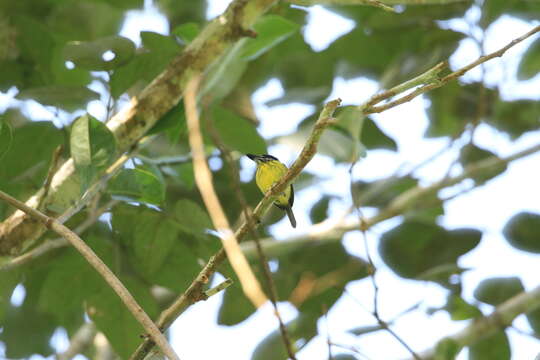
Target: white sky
196	335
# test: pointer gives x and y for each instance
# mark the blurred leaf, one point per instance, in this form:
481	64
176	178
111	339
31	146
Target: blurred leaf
516	117
191	217
25	341
237	133
529	64
270	30
66	97
187	32
470	154
93	148
373	138
30	150
493	9
159	43
319	211
113	319
493	347
139	185
143	68
521	231
90	55
414	247
173	123
452	107
5	137
302	329
495	291
343	357
446	349
459	309
351	120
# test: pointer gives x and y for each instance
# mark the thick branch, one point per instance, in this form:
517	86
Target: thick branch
102	269
19	231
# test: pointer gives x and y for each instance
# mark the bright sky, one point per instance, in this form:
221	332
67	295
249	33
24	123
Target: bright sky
196	329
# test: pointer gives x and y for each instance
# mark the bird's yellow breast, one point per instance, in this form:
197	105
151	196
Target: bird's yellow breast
268	174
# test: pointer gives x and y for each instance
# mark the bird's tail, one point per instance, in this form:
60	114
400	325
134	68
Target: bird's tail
291	216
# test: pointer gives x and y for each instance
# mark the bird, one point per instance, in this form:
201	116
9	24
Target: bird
269	171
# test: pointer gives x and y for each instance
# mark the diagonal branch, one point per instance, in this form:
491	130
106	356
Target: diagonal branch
19	231
430	83
193	292
102	269
502	317
203	178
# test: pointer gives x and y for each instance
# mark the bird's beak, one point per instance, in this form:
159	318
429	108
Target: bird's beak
252	157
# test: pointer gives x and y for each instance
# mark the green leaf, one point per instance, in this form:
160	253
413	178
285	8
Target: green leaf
236	132
159	43
139	185
470	153
5	136
319	211
143	68
373	138
446	349
113	319
521	231
187	32
529	64
154	236
89	55
30	150
415	247
493	347
495	291
271	30
93	148
525	115
459	309
191	217
351	120
66	97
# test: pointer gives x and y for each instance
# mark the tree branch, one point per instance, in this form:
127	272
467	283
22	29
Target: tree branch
203	178
193	292
431	83
19	231
102	269
500	318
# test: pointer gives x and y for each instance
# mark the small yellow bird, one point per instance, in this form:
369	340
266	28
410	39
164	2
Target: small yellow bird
269	171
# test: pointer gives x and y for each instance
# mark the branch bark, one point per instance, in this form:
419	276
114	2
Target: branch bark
194	291
19	231
102	269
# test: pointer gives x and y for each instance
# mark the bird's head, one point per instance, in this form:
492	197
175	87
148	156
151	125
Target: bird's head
261	159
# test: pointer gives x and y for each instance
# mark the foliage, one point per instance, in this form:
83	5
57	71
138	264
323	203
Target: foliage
159	233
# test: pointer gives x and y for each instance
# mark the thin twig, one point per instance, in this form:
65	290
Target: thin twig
193	292
203	178
431	83
102	269
235	185
374	3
